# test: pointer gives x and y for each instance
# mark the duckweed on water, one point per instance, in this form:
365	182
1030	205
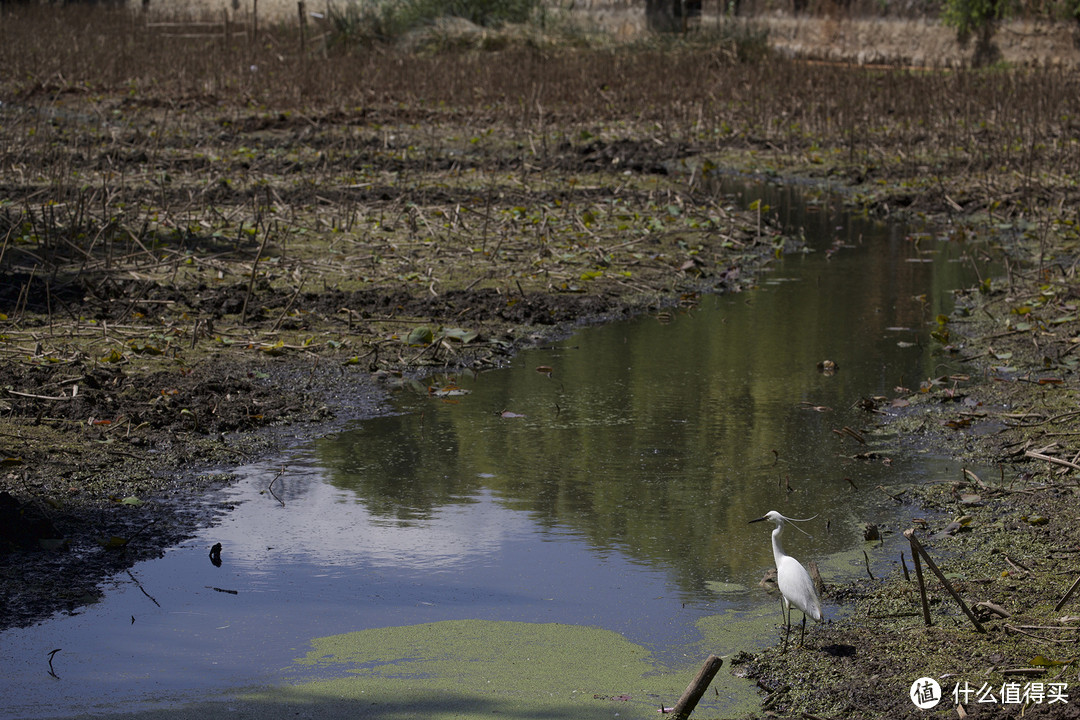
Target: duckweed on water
476	668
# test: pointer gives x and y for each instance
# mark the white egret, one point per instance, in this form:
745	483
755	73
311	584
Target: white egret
796	587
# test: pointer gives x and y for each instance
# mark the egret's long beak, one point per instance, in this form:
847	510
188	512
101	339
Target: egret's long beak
758	520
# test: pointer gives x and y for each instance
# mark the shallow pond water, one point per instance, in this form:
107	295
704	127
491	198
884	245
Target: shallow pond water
604	482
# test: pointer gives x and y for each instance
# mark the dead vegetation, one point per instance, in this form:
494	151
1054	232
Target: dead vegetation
187	228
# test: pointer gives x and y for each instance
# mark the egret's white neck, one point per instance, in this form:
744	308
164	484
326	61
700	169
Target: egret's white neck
777	550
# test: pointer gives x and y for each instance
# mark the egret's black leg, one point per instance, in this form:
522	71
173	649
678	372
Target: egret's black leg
786	608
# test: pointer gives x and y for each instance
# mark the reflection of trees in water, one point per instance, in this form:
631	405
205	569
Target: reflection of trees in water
661	440
402	467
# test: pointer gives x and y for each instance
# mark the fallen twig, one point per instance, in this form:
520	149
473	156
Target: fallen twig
270	487
251	279
1017	566
288	307
1068	594
996	609
1051	459
1015	629
896	497
1025	672
851	433
139	585
1062	416
40	397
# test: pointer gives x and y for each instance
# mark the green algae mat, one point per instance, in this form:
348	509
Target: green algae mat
477	668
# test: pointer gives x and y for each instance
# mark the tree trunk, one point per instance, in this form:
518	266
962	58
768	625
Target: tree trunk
662	16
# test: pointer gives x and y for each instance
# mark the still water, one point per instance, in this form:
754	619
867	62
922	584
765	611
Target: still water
605	481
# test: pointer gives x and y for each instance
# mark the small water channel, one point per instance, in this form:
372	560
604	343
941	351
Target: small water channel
603	483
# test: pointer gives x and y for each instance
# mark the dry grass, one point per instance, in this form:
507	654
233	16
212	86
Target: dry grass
691	91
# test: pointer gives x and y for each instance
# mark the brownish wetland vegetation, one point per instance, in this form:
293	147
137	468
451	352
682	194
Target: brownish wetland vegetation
210	246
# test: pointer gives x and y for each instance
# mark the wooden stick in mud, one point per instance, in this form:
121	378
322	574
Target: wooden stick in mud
254	270
922	586
1062	601
697	688
917	549
288	307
